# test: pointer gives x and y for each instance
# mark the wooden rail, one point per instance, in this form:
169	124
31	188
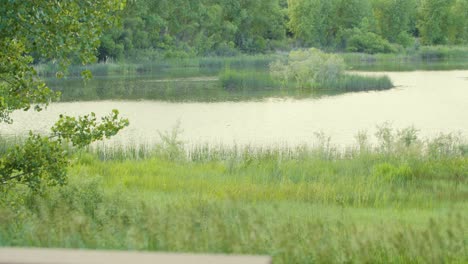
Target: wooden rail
62	256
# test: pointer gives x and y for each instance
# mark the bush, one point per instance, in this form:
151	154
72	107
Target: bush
308	67
225	49
405	39
357	40
318	70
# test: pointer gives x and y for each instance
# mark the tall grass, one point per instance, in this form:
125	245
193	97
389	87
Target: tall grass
289	232
247	80
400	200
356	83
420	58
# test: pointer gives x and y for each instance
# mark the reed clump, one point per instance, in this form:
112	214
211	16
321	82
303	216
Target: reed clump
356	83
247	80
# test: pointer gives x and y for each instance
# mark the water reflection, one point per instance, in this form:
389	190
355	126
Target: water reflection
186	89
184	82
433	102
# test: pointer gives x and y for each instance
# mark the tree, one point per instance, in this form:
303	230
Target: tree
395	19
61	32
458	28
320	23
196	27
260	22
308	20
434	21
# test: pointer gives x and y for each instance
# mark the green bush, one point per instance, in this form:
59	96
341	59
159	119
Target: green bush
405	39
307	68
367	42
321	71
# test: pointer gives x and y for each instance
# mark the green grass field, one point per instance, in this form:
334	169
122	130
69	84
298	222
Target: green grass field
402	200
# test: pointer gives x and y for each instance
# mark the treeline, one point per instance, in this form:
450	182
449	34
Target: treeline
180	28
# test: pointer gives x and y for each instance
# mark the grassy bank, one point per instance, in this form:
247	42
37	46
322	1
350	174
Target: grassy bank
423	58
401	200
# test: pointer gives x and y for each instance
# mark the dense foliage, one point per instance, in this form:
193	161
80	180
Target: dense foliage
184	28
308	67
60	31
205	27
374	24
312	69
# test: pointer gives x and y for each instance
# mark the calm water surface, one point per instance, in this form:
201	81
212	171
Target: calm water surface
432	101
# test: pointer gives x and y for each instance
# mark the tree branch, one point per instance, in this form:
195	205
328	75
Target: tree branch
5	181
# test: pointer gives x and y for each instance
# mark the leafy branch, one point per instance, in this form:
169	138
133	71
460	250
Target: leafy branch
43	160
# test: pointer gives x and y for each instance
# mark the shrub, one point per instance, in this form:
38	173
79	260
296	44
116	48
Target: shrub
172	147
318	70
360	41
308	67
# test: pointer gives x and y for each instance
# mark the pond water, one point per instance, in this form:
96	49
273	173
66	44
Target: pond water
432	101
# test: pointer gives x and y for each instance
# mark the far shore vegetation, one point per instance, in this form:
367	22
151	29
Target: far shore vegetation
181	28
424	58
